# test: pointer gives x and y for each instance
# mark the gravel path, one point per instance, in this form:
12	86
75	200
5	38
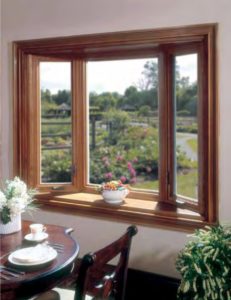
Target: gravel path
181	140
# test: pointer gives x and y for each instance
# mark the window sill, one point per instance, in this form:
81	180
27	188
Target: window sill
143	212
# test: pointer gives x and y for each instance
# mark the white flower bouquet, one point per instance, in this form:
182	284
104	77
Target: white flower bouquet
15	198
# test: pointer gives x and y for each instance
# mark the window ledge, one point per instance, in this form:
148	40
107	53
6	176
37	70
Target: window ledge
143	212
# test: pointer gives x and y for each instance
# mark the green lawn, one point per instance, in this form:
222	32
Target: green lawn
186	184
148	185
193	144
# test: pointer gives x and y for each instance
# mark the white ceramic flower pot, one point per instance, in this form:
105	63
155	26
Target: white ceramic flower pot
114	197
13	226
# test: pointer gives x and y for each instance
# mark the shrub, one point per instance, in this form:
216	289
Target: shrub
205	265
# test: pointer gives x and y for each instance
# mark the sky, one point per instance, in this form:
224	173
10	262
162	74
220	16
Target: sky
107	76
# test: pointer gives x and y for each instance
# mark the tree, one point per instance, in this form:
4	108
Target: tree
105	101
47	102
149	79
117	122
186	96
46	95
63	96
144	111
131	99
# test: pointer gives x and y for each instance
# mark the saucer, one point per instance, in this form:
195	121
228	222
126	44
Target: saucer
40	237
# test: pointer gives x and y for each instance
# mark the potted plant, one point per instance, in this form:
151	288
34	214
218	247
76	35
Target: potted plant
15	198
114	191
205	265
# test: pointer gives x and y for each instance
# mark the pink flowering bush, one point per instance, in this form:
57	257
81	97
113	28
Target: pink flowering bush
131	158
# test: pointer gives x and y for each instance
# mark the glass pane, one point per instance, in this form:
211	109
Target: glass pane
123	122
186	133
56	139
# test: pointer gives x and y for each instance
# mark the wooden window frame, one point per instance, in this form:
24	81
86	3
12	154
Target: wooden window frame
163	43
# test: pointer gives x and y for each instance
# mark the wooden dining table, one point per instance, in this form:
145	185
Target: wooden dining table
23	282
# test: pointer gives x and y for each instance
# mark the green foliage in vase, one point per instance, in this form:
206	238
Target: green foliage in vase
205	265
5	215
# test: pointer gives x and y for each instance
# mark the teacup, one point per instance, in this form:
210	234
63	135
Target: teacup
37	229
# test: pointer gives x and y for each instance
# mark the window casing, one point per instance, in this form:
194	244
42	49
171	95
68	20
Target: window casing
166	45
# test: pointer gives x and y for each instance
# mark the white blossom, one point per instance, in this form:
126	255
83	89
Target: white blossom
2	200
15	197
18	187
16	205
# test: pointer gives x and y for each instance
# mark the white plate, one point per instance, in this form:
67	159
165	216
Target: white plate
51	255
30	237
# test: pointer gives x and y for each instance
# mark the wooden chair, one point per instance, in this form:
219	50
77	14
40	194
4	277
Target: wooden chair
94	281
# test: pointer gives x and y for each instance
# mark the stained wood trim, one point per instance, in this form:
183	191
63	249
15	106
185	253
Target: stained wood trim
212	208
79	125
16	109
163	128
171	126
163	216
152	37
203	128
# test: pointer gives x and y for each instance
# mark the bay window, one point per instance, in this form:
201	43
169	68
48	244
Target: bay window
136	106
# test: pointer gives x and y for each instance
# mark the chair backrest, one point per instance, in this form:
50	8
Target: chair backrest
94	277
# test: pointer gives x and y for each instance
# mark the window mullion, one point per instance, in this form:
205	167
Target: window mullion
79	123
171	128
30	121
164	175
35	125
204	165
166	129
